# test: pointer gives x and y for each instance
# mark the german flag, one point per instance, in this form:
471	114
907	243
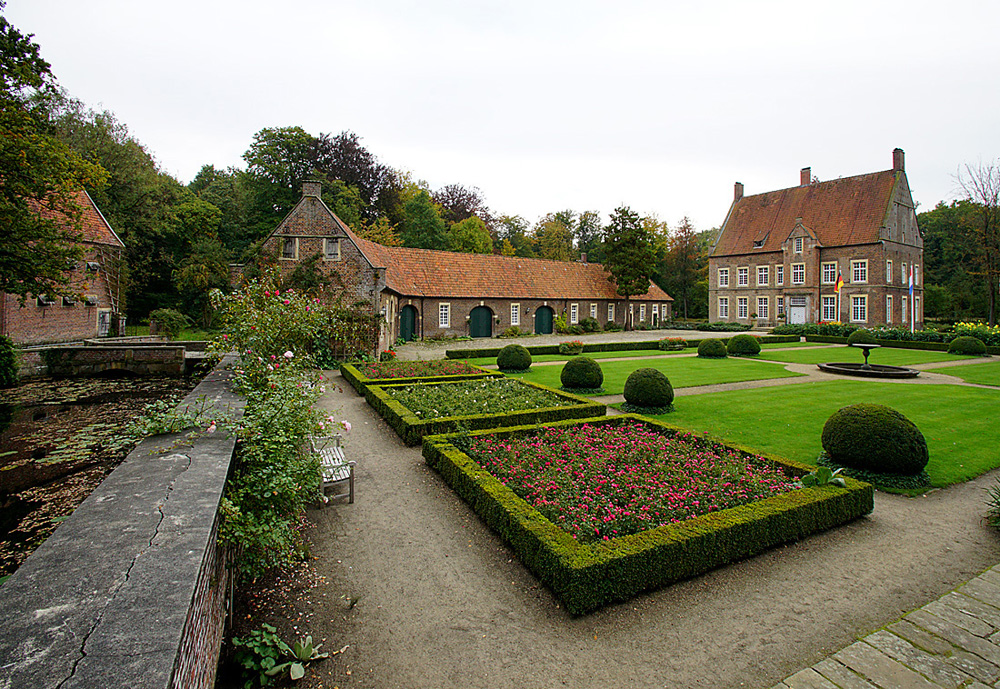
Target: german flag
840	282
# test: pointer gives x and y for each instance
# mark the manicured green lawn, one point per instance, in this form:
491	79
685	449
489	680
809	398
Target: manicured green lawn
683	372
884	355
959	423
982	374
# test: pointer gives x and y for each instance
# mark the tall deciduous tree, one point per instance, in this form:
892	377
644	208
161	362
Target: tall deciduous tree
981	184
684	265
470	236
422	227
952	289
630	254
458	203
40	176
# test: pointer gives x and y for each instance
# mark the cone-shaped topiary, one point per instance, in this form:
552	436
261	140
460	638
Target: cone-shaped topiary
743	345
581	373
514	358
647	387
861	336
874	437
966	344
712	348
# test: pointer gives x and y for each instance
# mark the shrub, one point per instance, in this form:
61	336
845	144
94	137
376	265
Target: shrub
612	327
387	355
873	437
722	326
582	373
861	336
648	388
8	363
743	345
712	348
170	322
512	331
559	324
573	347
966	344
514	358
671	343
590	325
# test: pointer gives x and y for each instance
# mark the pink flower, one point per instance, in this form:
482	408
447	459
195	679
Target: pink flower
347	425
211	428
288	355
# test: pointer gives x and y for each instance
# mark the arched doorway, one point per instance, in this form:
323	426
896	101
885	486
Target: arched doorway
408	323
543	320
481	322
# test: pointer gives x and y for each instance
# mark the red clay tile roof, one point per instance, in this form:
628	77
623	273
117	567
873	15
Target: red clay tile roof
841	212
426	273
93	227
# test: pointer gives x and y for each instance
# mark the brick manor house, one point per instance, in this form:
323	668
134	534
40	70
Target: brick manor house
424	293
782	252
94	282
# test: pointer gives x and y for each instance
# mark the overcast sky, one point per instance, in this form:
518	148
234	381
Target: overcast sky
545	106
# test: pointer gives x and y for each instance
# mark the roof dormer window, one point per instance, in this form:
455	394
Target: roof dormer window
758	243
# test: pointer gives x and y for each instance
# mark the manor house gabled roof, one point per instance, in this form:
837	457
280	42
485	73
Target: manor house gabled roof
427	273
94	227
846	211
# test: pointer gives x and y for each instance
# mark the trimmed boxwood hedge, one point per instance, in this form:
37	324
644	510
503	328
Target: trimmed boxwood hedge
587	577
360	383
898	344
411	428
492	352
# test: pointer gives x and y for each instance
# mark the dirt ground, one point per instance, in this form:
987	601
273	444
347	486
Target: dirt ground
424	595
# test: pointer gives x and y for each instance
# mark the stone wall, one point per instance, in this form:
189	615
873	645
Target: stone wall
66	362
131	590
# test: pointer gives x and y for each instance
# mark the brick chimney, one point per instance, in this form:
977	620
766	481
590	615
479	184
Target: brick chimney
898	164
805	176
737	191
311	188
583	257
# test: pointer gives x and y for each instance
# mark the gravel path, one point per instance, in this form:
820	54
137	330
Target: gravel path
426	596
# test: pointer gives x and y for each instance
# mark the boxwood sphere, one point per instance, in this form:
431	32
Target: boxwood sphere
712	348
582	372
743	345
647	387
514	357
861	336
966	344
874	437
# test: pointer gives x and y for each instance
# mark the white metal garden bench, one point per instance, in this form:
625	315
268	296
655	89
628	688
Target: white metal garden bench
335	468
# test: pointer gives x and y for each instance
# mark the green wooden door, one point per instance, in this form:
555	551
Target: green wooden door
408	323
481	322
543	320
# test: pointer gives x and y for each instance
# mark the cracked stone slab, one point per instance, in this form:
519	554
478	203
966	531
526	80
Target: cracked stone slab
956	635
926	664
880	668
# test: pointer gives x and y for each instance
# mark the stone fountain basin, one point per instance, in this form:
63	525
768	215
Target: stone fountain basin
869	371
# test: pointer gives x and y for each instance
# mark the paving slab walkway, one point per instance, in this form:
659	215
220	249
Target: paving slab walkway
429	596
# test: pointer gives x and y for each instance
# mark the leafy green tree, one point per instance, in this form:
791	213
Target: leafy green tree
981	184
513	229
204	268
278	160
344	158
457	203
554	236
684	265
470	236
381	231
422	227
590	236
950	253
40	176
630	254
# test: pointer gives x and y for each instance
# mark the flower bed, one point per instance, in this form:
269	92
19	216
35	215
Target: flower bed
474	404
588	575
360	376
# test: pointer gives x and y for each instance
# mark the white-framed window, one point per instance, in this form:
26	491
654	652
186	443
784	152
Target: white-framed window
574	313
916	275
798	273
916	310
830	273
290	248
444	315
888	272
656	312
611	313
904	277
642	313
798	245
742	277
859	271
723	277
515	314
906	310
763	275
829	308
741	307
859	308
331	249
779	304
593	311
779	275
723	307
888	308
763	304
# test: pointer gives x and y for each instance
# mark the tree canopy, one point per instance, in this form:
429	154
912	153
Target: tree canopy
629	253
